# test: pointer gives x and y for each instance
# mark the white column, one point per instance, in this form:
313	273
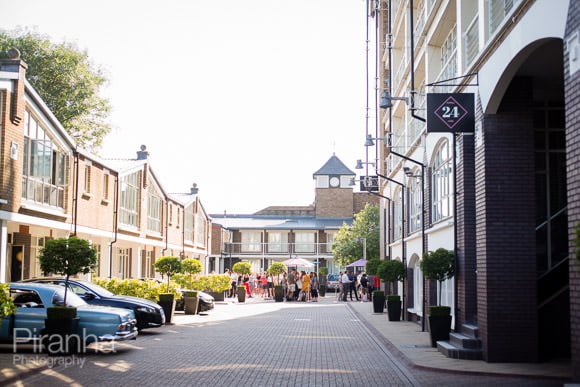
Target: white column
3	250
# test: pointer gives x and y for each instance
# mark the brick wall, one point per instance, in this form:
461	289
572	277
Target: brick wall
360	200
334	202
95	208
572	97
505	207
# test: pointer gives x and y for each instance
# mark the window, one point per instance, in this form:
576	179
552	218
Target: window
130	199
87	185
36	244
123	264
418	288
147	264
397	215
497	11
251	241
105	186
442	183
200	230
304	242
277	242
44	166
330	239
189	223
415	203
154	210
322	181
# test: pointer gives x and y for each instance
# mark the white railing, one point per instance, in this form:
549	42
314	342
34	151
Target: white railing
278	248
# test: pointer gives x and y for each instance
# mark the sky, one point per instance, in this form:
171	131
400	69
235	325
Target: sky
247	99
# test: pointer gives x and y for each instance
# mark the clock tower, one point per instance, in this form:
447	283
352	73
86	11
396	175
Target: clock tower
334	194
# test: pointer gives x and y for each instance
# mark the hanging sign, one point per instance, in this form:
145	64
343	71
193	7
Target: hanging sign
450	112
369	183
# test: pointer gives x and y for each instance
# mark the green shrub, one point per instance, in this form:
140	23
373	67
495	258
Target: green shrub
378	293
277	268
439	310
190	293
438	265
393	297
323	271
6	303
212	283
148	289
168	266
242	268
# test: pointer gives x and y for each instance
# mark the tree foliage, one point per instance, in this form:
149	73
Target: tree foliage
190	267
391	271
242	268
373	266
67	81
168	266
67	256
348	245
438	265
277	268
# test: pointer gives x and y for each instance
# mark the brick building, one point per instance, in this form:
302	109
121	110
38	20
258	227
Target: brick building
511	218
50	188
277	233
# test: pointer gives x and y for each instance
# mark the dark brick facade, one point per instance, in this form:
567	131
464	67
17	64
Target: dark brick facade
505	208
572	98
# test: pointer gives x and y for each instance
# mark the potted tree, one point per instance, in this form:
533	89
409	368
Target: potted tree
392	271
65	256
242	268
167	266
323	280
371	268
191	302
439	265
190	267
276	269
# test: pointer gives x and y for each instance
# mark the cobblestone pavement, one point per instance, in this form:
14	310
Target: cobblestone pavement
293	344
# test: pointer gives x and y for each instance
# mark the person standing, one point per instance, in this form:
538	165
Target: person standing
291	285
345	285
305	286
352	287
314	287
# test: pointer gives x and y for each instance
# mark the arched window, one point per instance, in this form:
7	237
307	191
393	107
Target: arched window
442	183
417	285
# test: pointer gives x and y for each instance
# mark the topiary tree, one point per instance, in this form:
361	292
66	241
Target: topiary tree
373	266
67	256
168	266
391	271
277	268
191	267
242	268
438	265
323	271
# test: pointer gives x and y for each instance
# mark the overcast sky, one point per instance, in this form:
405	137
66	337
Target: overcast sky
245	98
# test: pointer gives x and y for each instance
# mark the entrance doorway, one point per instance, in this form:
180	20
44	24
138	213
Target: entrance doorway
16	263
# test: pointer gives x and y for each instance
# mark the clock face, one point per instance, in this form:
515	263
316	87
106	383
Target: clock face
334	182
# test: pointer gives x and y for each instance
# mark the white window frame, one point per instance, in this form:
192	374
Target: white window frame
277	241
304	242
442	183
251	241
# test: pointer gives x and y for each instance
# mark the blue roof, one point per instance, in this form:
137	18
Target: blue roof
334	167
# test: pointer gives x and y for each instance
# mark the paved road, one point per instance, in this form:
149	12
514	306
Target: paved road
297	345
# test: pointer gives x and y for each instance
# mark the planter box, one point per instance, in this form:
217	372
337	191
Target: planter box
394	310
190	305
379	304
439	327
241	293
167	302
218	296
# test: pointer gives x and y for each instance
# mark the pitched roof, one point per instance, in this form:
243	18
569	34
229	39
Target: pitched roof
334	167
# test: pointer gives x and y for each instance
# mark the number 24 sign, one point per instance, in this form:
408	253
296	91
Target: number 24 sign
450	112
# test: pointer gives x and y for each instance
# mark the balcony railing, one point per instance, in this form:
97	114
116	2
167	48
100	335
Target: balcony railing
283	249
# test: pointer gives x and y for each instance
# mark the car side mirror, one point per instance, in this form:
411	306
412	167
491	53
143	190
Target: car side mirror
89	296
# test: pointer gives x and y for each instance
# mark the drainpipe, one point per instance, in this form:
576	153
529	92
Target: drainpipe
166	228
115	225
76	194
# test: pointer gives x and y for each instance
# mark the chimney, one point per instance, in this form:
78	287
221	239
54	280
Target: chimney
17	67
194	189
142	154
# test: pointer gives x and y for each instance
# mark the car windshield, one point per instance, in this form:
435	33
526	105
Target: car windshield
333	277
101	291
71	299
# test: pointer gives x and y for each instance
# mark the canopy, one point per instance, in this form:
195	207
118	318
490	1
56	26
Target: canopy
360	263
299	262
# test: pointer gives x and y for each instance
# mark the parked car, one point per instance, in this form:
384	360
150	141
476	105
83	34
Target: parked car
206	302
148	313
333	283
32	299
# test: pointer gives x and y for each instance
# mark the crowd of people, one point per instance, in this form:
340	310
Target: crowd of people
303	286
